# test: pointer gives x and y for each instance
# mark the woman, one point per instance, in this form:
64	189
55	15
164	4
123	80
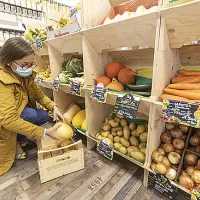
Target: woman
19	93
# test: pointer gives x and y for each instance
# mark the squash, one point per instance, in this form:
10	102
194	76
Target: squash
64	131
115	85
84	126
105	80
71	111
113	68
79	118
126	76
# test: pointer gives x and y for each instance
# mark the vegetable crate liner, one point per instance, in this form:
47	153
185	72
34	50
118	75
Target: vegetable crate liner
130	6
57	162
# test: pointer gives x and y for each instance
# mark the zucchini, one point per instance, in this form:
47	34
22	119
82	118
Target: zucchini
145	94
142	88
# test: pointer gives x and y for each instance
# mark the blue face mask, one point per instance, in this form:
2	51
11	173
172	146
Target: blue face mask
23	72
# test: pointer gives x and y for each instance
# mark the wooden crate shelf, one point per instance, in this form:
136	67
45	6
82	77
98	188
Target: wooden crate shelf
182	22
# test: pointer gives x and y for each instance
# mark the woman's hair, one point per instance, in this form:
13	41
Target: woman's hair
14	49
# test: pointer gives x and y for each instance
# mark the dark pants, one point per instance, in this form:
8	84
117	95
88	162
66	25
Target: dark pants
35	116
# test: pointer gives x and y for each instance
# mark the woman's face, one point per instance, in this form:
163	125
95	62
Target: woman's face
27	61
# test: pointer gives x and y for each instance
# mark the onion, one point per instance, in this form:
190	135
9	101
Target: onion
178	143
174	158
160	168
170	174
157	157
166	162
194	141
179	151
196	176
166	137
197	149
198	165
176	133
153	166
168	147
169	126
189	170
184	128
190	159
186	181
184	137
161	151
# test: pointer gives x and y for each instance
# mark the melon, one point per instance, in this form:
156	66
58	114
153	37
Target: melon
79	118
105	80
64	131
126	76
113	68
115	85
84	126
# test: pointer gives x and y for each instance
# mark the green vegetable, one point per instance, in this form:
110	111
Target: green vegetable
142	88
145	94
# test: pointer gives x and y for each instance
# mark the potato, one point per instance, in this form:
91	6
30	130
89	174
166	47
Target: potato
114	134
110	137
142	145
99	137
105	127
120	133
143	150
117	145
143	137
105	134
120	116
65	143
123	122
113	123
101	131
107	119
133	141
108	141
123	150
124	142
132	126
138	155
126	132
117	119
141	129
132	148
116	139
116	129
135	133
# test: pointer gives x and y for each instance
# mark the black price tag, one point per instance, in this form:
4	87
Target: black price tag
38	80
105	149
162	184
55	85
75	88
39	44
181	112
127	106
99	93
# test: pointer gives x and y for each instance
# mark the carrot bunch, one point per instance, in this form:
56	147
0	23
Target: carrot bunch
185	86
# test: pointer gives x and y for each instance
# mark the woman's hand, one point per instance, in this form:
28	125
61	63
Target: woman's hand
51	132
57	114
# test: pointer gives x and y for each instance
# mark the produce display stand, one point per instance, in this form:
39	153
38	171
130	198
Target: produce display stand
165	31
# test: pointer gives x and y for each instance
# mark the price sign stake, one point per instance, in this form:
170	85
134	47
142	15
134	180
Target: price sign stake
99	93
55	85
75	88
104	149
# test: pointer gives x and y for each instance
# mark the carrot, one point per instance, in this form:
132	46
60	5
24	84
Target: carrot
183	93
186	86
188	73
181	78
192	79
173	97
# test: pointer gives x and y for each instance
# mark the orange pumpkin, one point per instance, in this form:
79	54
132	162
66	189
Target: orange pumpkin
126	76
113	68
115	85
105	80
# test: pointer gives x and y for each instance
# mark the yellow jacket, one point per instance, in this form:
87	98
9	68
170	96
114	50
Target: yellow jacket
15	93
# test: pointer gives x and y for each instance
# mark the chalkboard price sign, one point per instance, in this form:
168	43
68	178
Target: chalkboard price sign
162	184
38	80
127	106
55	85
75	88
99	93
39	44
181	112
105	149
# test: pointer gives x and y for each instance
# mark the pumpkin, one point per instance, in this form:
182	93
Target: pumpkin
126	76
64	131
115	85
105	80
113	68
71	111
79	118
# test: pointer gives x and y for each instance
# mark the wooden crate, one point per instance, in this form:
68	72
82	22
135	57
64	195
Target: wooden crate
60	161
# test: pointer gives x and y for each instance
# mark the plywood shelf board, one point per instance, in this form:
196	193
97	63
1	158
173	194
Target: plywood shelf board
66	88
183	23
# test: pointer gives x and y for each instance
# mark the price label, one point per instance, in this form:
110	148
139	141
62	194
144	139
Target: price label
105	149
75	88
127	106
55	85
38	80
99	93
39	44
181	112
